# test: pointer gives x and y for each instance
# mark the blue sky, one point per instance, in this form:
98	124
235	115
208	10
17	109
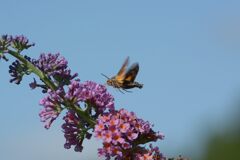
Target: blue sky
189	63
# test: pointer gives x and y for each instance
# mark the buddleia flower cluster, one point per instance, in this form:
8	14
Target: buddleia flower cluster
88	106
123	134
17	43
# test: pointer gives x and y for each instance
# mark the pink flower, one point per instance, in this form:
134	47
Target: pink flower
117	138
146	156
100	126
131	135
124	127
107	136
122	133
113	121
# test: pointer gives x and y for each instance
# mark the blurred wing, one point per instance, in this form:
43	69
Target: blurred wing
132	73
121	74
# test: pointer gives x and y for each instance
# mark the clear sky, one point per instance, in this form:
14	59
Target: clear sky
188	51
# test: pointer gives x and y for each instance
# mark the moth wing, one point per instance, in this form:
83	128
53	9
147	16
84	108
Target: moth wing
121	74
132	73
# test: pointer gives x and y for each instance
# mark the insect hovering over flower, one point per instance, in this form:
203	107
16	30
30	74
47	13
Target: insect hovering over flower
125	78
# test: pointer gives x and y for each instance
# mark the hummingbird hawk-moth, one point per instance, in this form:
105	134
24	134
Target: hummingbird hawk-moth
125	79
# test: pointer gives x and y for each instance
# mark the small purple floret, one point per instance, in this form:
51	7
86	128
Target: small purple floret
91	92
73	132
55	67
52	107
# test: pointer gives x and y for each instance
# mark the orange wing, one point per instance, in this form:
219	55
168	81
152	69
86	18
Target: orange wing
122	72
132	73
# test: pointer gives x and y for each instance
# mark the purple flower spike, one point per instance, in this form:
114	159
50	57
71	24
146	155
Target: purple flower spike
91	92
55	67
14	72
17	43
21	42
52	107
122	133
51	64
73	132
17	70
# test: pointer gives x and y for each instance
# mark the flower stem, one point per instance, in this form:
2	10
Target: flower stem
51	85
34	69
82	114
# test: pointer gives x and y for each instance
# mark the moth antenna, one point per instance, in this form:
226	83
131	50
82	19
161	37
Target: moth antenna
127	91
105	76
121	91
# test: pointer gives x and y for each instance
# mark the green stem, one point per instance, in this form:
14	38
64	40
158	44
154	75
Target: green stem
34	69
51	85
84	115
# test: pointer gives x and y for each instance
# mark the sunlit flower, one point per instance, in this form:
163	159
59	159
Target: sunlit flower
122	133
